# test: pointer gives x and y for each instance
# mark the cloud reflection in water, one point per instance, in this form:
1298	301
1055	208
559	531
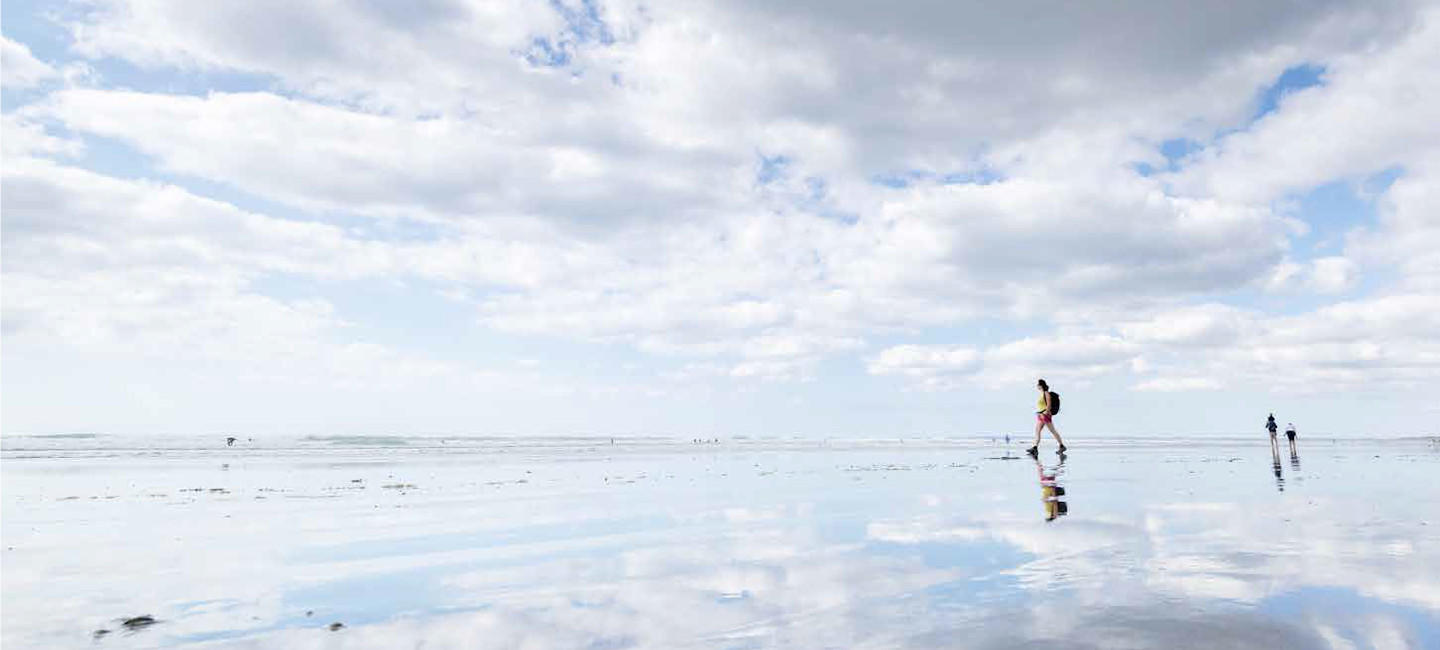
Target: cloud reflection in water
880	547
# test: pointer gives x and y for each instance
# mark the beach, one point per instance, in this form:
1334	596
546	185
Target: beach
436	542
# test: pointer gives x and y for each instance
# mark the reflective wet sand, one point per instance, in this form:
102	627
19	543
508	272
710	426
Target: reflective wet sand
753	544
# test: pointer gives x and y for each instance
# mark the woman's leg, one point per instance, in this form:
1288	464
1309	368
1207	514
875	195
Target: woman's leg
1039	426
1055	433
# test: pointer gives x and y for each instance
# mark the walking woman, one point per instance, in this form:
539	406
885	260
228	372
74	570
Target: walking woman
1047	406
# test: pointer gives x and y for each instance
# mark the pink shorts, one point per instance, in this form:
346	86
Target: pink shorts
1043	418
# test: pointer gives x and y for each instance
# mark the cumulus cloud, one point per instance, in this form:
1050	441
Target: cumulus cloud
932	254
1408	235
1203	325
618	174
100	264
1368	342
1375	341
1177	384
21	68
389	166
925	361
946	366
23	138
1373	110
1333	274
1375	115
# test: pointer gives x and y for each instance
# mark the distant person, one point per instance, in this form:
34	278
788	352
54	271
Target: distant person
1272	428
230	442
1045	410
1290	435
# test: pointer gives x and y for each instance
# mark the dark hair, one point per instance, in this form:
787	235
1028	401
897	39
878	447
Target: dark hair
1044	385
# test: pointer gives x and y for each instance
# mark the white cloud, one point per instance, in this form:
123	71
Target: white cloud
22	138
1325	275
21	69
1334	274
1372	113
1204	325
686	152
948	366
1371	342
1177	384
1408	235
1380	341
360	52
925	360
624	177
388	166
1079	351
102	264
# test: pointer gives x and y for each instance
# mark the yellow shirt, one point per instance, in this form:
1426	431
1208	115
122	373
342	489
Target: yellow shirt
1040	405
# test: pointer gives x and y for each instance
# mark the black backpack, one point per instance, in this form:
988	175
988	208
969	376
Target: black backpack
1054	403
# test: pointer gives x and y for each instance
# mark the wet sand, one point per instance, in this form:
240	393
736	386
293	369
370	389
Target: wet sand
410	542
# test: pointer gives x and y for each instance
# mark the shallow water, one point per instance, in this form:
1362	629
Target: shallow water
751	544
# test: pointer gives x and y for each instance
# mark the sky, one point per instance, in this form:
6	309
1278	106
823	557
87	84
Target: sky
697	218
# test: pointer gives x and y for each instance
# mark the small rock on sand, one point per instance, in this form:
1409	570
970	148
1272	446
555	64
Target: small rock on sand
335	626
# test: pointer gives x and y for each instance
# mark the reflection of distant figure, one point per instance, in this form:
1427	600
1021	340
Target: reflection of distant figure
1290	435
1279	477
1294	460
1052	494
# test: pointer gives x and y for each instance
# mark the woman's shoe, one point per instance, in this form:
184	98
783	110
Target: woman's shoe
1061	450
1033	451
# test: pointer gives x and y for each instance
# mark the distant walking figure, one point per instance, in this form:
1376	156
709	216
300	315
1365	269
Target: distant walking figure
1290	435
1272	428
230	442
1045	409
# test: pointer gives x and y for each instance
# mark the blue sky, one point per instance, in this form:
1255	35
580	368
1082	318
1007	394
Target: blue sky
718	219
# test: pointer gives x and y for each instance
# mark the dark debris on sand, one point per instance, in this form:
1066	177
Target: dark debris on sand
134	623
137	622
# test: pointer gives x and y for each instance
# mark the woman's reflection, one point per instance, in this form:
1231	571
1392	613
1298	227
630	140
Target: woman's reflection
1052	494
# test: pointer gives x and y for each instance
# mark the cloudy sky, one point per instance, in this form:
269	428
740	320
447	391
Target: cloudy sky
719	218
